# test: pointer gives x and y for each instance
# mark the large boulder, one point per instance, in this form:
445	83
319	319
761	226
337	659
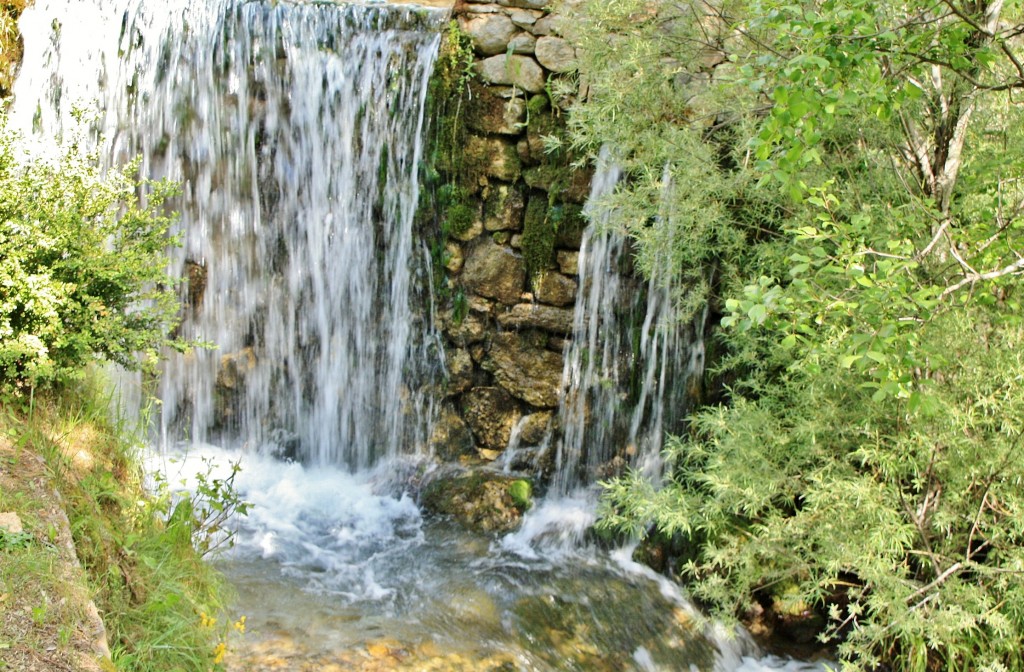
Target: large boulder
527	372
494	271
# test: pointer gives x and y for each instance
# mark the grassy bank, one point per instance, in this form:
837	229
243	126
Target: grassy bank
158	599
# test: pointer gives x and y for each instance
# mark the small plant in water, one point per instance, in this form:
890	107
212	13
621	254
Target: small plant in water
204	512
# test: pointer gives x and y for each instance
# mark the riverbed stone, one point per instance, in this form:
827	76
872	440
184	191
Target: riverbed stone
491	413
526	371
494	271
537	316
555	54
514	69
489	32
554	288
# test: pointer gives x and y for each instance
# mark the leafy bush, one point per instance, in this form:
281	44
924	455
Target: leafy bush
82	267
846	175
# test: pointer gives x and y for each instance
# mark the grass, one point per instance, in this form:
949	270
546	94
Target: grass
152	588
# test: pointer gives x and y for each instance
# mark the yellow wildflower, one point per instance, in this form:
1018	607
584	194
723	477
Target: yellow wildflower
218	653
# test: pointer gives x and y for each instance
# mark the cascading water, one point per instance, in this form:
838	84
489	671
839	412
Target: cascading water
295	130
630	365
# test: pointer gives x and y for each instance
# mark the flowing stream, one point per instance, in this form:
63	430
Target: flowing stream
295	130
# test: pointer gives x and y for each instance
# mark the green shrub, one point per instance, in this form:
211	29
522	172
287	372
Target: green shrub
82	267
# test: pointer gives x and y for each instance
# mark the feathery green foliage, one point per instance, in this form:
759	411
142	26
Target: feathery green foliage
842	181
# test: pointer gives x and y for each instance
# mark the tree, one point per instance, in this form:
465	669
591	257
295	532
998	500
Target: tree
861	163
82	268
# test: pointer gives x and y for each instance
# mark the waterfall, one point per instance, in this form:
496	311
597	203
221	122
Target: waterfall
630	366
295	132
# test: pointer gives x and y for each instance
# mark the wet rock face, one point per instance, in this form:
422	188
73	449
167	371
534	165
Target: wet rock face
535	427
555	289
491	413
494	271
527	372
451	438
538	316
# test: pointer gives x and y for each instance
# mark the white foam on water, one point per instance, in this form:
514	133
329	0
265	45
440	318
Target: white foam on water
554	529
325	526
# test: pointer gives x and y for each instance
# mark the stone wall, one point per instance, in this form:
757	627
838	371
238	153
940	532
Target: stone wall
511	266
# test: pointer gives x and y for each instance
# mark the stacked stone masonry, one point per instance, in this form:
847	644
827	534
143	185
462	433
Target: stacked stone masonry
514	270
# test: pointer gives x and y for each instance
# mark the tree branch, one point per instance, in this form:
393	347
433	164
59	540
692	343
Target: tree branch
1014	268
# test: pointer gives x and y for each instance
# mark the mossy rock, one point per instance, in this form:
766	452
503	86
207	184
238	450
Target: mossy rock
539	234
480	501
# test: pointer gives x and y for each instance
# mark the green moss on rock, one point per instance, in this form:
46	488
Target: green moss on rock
539	232
521	492
480	501
459	218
